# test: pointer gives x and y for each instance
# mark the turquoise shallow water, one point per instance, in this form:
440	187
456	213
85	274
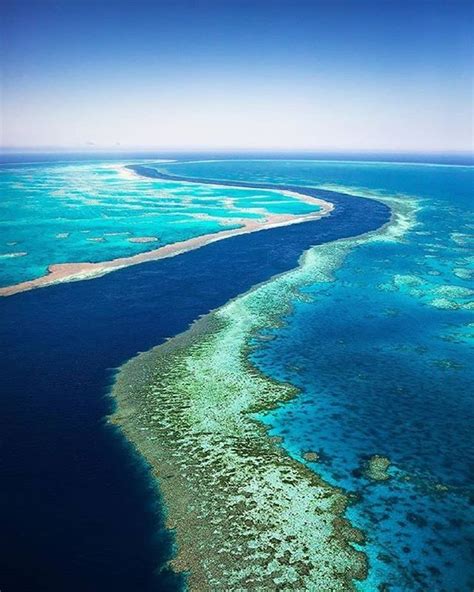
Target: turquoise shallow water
93	211
383	357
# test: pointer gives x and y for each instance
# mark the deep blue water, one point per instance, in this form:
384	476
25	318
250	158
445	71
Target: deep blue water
78	510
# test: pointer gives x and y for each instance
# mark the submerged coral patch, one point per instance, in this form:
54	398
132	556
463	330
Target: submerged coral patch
246	515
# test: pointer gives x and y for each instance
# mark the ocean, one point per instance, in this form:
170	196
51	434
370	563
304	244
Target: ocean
381	351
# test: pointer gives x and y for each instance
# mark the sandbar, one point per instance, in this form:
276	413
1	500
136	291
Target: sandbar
69	272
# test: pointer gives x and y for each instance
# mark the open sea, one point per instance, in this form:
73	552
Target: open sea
382	355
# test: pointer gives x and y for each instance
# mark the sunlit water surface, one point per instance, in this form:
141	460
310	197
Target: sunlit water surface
382	354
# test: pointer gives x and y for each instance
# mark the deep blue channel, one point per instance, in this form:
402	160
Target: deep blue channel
78	509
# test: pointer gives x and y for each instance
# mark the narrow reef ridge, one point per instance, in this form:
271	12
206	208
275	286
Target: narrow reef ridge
247	516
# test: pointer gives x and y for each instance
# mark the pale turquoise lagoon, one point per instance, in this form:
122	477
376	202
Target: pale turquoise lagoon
94	211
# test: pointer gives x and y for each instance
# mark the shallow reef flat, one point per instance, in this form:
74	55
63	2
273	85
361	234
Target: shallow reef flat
160	218
246	514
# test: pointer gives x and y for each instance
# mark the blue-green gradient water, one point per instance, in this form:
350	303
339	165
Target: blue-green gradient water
73	212
382	355
383	358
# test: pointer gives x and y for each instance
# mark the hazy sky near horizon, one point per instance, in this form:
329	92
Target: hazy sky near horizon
321	74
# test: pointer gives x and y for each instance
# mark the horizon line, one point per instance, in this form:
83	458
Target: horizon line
277	149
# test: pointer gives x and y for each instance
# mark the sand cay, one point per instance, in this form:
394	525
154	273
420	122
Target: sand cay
143	239
69	272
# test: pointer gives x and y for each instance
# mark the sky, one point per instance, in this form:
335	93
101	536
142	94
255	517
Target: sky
387	75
